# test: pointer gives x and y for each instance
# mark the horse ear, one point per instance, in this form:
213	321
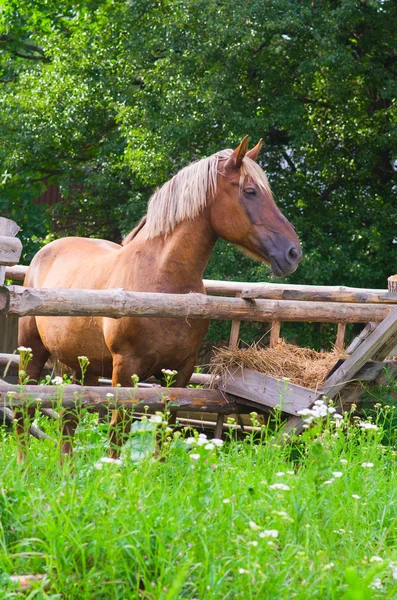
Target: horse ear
235	160
254	152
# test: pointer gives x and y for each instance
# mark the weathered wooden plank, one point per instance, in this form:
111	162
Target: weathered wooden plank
95	398
380	340
368	329
8	228
326	295
16	272
10	250
119	303
267	391
275	290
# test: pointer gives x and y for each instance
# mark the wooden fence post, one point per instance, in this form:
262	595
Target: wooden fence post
234	331
340	337
274	333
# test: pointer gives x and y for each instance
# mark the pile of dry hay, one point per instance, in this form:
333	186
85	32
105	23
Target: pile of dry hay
302	366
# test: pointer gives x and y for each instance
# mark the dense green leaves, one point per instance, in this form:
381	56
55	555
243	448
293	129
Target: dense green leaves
110	98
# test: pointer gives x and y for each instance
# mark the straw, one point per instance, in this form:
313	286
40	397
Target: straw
302	366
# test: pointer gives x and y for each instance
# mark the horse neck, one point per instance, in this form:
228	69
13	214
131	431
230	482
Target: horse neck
178	261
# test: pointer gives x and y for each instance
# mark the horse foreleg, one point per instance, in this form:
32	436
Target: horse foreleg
120	426
29	337
123	368
69	422
182	379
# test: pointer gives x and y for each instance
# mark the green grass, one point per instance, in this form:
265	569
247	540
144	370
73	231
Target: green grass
202	529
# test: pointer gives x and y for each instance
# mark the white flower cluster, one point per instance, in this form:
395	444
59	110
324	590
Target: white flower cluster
157	418
24	349
203	441
365	425
319	411
57	380
107	460
279	486
169	372
266	533
393	566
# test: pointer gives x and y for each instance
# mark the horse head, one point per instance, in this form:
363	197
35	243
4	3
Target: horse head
243	211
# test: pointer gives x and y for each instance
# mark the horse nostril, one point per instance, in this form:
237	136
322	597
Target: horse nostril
293	254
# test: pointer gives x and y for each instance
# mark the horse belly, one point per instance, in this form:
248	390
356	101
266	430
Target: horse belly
156	343
67	338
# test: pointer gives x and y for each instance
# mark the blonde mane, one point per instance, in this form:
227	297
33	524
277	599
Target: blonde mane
185	195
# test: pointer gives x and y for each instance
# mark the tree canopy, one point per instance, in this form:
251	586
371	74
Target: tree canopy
110	98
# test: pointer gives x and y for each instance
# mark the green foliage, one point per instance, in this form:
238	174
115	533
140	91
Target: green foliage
109	99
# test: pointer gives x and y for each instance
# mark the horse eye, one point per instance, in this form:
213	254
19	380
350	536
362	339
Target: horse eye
250	191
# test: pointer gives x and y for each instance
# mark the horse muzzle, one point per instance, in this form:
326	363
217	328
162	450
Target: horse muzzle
285	263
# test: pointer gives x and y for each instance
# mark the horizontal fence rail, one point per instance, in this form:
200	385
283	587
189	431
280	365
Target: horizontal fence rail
117	303
98	398
274	291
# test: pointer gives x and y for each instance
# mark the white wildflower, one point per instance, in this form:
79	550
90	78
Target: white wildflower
366	426
356	496
253	525
253	543
110	461
226	501
190	441
194	456
109	395
343	461
157	419
242	571
376	584
202	441
98	465
272	533
280	474
393	567
338	417
24	349
376	559
57	380
367	465
169	372
328	482
217	442
279	486
209	446
337	474
329	566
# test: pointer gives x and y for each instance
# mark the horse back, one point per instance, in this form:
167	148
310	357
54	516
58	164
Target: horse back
72	262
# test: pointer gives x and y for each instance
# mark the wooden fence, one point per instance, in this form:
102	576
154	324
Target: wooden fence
252	302
269	302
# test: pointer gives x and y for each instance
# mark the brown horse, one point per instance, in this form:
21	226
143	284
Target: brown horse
226	195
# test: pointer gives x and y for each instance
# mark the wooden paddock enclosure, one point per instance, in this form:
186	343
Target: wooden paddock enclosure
241	392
